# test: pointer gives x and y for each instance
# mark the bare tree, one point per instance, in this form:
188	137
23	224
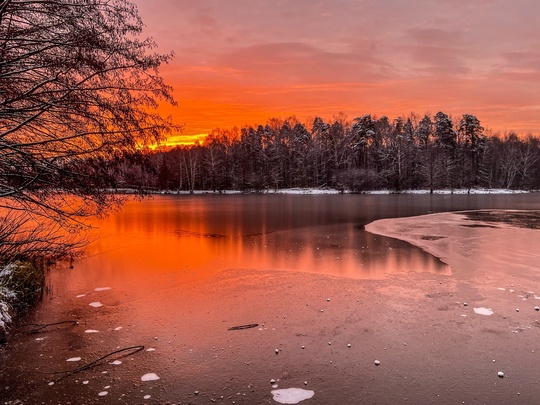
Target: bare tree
214	161
362	136
529	158
78	91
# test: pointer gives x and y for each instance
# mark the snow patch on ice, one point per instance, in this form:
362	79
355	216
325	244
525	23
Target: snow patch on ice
147	397
150	349
91	331
103	393
483	311
150	377
102	288
81	295
96	304
118	328
291	395
74	359
116	362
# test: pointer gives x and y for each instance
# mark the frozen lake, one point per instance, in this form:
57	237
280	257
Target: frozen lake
197	236
173	273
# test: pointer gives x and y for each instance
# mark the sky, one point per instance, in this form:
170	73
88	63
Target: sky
241	62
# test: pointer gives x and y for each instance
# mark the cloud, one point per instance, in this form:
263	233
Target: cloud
294	62
433	51
240	61
434	60
435	37
522	61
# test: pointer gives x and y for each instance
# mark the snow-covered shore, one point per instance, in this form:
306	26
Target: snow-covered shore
21	285
7	297
383	192
302	191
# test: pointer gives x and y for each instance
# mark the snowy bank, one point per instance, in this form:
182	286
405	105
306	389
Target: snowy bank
21	284
7	296
454	191
326	191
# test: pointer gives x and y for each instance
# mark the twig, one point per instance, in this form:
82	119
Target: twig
241	327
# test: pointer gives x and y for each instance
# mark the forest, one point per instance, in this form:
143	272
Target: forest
367	153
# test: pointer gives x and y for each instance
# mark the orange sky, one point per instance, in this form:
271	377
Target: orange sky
243	61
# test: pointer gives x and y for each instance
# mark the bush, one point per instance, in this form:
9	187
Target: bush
26	280
359	180
21	285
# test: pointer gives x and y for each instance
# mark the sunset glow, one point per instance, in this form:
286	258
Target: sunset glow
180	139
242	62
226	200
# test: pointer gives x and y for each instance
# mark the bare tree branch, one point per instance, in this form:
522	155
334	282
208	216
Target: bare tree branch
78	91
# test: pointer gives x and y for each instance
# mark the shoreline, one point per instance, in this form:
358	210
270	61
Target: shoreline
327	191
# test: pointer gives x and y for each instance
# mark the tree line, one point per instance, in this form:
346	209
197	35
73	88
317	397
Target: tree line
367	153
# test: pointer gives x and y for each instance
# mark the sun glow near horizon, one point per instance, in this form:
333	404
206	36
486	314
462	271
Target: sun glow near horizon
183	139
358	58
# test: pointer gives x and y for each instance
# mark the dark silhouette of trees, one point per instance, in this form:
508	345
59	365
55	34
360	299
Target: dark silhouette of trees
78	91
446	143
474	140
430	152
363	136
427	153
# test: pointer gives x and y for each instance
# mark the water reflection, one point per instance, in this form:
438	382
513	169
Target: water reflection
186	238
199	236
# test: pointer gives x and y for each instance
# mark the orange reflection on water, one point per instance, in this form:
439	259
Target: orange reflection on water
171	240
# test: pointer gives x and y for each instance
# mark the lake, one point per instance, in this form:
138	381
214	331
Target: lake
201	235
173	273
